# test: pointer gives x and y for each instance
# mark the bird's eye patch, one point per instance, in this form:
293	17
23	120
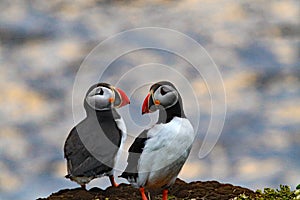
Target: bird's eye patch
164	90
99	92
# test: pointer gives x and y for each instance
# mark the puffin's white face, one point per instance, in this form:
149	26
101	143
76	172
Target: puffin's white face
165	96
100	98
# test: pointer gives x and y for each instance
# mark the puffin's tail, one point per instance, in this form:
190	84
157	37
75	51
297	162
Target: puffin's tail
131	178
68	176
128	175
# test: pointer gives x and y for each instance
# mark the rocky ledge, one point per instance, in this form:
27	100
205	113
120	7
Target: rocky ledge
207	190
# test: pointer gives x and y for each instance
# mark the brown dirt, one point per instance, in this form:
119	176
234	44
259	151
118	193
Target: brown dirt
209	190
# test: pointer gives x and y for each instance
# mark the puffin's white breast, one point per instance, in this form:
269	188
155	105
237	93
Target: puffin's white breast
165	152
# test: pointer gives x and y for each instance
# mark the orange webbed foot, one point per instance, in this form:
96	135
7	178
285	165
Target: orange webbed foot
142	191
165	194
112	181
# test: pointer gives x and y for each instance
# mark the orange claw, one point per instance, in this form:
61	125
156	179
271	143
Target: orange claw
112	181
165	194
142	191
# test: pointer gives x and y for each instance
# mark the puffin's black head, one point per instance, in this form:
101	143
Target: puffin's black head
103	96
162	95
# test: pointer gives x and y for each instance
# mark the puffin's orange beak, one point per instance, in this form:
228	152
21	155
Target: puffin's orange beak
145	107
124	99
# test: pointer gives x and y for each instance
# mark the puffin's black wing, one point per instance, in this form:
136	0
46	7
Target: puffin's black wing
93	152
135	151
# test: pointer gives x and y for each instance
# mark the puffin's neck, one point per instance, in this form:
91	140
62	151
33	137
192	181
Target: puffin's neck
166	115
103	115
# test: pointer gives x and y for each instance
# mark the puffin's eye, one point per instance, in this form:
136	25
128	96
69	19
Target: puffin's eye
164	91
99	92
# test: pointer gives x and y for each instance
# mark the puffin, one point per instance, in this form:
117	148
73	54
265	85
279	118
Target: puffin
92	146
157	155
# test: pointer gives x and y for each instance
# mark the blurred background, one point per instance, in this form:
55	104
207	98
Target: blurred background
255	44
